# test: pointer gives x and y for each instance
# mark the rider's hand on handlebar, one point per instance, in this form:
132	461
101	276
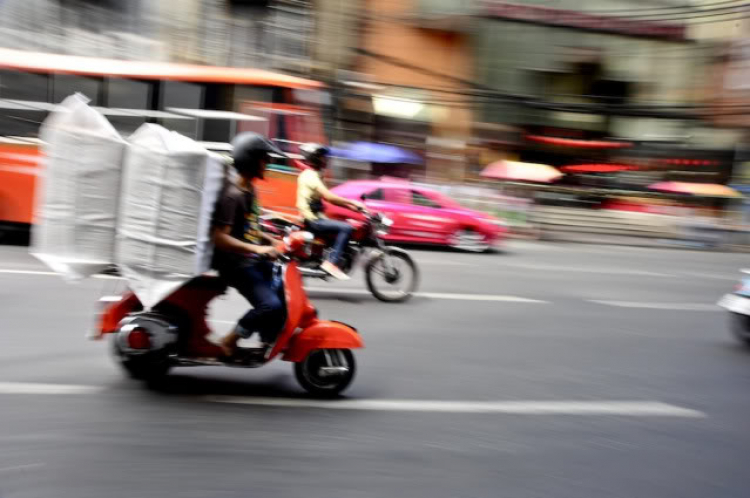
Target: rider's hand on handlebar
268	252
359	207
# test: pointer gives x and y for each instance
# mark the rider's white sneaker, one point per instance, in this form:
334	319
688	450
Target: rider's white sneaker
334	271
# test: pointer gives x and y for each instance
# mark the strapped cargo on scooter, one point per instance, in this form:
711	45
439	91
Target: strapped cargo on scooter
79	192
170	187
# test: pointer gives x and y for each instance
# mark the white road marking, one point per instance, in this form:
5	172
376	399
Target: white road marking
480	297
605	271
617	408
660	306
442	263
17	468
431	295
439	295
34	388
621	408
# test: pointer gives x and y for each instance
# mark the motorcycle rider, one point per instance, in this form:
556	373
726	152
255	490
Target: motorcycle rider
311	191
243	253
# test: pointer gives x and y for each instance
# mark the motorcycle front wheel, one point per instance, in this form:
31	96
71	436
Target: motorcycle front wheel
392	276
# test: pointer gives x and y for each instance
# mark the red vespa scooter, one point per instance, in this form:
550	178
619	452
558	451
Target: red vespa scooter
174	333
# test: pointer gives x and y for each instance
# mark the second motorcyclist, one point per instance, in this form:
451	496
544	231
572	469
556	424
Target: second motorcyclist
311	192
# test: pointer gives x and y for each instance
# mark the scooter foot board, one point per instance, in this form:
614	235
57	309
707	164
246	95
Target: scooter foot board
245	357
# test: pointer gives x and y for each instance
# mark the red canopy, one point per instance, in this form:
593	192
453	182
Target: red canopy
583	144
598	168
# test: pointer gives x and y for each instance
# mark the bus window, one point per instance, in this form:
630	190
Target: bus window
24	86
181	95
215	130
20	122
127	94
246	93
126	125
177	94
217	97
21	114
68	84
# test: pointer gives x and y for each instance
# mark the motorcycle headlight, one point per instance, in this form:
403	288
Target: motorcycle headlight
384	226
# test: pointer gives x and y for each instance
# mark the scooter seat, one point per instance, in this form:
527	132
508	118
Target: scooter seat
209	282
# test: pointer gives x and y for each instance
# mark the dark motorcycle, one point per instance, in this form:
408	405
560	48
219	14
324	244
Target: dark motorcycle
390	273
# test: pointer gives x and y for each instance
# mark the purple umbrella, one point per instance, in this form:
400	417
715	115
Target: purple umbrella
369	152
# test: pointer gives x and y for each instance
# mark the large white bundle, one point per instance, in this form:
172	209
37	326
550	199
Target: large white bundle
170	188
79	191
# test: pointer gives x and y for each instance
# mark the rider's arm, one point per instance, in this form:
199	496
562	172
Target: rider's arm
269	239
224	241
337	200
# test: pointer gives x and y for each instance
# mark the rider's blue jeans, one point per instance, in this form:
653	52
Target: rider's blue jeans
341	230
253	280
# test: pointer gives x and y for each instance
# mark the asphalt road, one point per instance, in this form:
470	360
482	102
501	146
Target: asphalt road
542	371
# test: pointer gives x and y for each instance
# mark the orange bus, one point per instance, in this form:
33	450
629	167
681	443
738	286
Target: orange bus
208	104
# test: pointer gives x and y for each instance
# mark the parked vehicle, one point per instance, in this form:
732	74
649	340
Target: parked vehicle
390	273
175	332
738	305
423	216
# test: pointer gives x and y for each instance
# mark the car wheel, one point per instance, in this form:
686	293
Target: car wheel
469	240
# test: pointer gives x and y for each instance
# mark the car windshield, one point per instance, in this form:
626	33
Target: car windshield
440	199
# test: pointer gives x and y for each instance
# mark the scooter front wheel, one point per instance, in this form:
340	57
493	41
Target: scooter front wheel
326	373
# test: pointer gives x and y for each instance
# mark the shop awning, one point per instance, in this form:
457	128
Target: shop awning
522	172
700	189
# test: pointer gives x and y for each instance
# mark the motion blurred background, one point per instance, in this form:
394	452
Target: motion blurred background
619	96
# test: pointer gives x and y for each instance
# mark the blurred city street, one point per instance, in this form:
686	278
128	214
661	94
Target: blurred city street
565	370
154	154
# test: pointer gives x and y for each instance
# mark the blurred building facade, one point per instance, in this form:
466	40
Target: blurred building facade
274	34
440	75
461	82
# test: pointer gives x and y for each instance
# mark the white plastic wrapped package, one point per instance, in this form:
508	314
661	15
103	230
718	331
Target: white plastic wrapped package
170	187
78	192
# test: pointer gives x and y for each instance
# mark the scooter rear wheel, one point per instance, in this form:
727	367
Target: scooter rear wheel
148	367
326	373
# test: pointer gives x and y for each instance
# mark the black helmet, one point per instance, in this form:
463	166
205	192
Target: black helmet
248	149
313	153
